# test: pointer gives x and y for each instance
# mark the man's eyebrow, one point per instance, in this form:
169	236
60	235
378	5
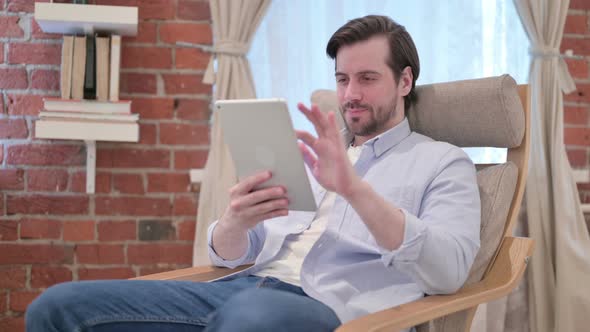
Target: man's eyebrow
364	72
372	72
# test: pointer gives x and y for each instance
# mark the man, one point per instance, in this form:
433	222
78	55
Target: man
399	218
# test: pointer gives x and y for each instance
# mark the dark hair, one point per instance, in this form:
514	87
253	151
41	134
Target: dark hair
402	51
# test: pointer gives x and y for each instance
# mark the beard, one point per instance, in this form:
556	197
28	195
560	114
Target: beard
376	123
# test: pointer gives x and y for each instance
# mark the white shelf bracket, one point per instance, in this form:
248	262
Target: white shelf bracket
90	166
196	175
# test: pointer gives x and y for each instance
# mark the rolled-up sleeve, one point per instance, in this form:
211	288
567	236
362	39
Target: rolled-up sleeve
255	241
440	244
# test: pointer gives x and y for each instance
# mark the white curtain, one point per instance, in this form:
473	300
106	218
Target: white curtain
462	40
558	275
455	40
234	24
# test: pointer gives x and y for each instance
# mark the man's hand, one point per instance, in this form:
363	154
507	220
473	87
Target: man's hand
330	164
334	172
247	207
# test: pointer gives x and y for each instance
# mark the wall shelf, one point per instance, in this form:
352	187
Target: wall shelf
72	19
90	121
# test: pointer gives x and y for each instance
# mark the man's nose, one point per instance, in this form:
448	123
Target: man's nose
353	92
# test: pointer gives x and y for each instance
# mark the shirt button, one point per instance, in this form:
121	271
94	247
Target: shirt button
300	227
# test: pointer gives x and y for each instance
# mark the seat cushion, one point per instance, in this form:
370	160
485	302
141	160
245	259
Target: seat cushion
496	188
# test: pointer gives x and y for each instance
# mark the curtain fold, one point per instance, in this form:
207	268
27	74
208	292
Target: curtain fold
559	293
234	24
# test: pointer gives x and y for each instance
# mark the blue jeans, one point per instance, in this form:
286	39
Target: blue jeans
243	304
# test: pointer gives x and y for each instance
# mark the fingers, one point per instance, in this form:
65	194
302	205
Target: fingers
259	210
309	140
324	124
332	133
306	137
320	117
247	184
309	114
249	206
258	196
308	157
334	129
274	214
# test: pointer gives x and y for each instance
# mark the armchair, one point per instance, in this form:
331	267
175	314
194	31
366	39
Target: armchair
489	112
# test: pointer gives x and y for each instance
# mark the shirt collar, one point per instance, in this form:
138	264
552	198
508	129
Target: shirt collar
388	139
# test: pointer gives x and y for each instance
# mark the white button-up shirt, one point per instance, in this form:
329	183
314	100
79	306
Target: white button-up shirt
433	183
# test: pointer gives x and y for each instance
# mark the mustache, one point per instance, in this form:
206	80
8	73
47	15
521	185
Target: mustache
351	104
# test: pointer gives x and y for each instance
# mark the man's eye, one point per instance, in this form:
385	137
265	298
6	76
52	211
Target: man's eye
367	78
340	80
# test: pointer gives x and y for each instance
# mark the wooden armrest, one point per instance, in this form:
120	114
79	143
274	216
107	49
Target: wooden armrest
505	274
199	273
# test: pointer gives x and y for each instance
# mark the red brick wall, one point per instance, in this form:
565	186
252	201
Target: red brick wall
577	104
142	218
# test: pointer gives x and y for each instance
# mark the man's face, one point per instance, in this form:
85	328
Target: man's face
370	100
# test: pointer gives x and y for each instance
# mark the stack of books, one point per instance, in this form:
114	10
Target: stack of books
89	107
87	120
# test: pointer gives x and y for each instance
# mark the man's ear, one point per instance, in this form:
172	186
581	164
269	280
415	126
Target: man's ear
405	82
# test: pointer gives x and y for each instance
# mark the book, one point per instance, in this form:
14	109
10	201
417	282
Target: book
115	67
87	106
90	116
87	130
79	120
67	61
102	68
79	67
90	74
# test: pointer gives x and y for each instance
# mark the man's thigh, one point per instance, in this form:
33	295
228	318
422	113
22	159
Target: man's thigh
81	305
249	303
272	309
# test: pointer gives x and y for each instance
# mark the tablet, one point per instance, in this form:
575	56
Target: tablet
260	136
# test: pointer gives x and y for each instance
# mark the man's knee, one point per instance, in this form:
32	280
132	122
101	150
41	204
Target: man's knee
57	306
45	309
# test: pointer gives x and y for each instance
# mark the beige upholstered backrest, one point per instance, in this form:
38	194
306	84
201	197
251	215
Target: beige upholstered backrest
472	113
483	112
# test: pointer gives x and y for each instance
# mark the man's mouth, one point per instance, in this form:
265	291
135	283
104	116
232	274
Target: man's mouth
355	111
